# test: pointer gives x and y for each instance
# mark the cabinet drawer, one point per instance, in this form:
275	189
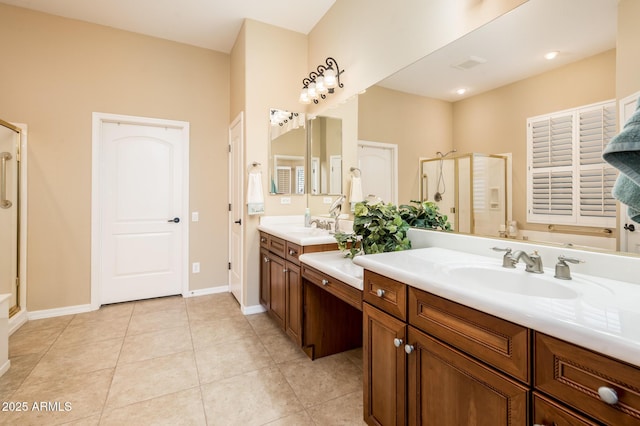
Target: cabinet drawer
342	291
574	375
386	294
495	341
293	252
264	240
277	246
547	413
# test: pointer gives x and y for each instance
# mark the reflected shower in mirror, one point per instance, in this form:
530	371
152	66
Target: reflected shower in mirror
287	152
325	156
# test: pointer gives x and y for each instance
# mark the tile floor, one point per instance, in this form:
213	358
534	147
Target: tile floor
174	361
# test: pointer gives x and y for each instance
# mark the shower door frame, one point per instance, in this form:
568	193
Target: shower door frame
17	313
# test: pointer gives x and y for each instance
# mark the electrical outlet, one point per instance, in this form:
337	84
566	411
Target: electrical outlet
327	200
195	267
195	216
285	200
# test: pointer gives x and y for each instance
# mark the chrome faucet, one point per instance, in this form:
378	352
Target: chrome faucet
532	261
334	212
321	224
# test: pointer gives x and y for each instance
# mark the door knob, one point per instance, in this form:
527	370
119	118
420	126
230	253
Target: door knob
239	221
408	348
629	227
174	220
397	342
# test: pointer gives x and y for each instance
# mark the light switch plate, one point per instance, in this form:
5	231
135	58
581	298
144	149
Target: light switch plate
285	200
195	216
327	200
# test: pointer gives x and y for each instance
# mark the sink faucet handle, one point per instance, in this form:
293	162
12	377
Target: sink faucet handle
506	249
507	260
563	258
562	269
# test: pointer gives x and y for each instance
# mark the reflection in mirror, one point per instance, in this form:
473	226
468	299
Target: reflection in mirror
471	189
287	152
325	156
518	84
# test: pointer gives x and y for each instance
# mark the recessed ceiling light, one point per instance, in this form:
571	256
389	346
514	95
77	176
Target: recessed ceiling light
551	55
461	91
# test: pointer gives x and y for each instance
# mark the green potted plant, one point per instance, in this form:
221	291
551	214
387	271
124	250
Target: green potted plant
424	214
380	227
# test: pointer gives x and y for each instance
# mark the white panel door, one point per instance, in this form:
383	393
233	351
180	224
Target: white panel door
236	204
378	166
141	207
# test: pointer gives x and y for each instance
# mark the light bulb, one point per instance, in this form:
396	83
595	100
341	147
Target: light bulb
311	91
330	78
304	97
320	87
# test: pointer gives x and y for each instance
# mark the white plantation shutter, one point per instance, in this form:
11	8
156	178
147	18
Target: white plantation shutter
283	181
569	183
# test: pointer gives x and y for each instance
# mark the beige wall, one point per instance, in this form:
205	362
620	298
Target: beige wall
60	72
419	126
495	122
274	65
628	48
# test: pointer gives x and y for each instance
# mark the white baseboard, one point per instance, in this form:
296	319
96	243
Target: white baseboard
205	291
255	309
5	367
16	321
58	312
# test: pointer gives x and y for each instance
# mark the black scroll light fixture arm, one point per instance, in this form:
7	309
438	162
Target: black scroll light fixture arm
322	81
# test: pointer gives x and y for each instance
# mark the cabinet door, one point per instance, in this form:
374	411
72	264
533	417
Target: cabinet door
277	289
384	368
549	413
265	276
294	303
447	387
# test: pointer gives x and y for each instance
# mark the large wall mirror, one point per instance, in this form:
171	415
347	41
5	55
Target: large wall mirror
287	152
325	156
501	66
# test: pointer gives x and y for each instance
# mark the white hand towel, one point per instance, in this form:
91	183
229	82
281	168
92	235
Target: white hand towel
356	190
255	197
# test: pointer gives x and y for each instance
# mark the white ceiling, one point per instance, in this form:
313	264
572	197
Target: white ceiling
513	46
212	24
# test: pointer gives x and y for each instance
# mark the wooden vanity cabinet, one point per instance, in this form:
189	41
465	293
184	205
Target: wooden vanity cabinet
385	367
281	281
576	376
420	361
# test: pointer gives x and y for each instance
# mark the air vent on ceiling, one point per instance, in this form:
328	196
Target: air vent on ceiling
469	62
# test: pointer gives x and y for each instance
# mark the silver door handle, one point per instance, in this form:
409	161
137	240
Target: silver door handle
4	157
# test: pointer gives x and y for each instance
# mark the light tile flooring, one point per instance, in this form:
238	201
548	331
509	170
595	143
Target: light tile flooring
174	361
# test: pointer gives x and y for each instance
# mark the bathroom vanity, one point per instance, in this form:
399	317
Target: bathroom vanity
321	313
451	337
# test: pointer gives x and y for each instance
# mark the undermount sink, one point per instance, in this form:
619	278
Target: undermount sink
515	281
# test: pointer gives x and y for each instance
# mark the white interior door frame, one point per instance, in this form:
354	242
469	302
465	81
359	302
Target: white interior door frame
236	210
96	194
626	109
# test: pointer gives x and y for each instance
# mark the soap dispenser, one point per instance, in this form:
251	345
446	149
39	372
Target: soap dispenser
307	218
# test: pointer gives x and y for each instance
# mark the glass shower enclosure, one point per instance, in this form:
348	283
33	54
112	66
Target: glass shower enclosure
471	189
10	214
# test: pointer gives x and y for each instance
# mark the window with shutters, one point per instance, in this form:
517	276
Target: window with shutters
568	182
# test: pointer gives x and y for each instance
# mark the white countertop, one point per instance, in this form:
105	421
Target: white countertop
605	317
335	264
298	234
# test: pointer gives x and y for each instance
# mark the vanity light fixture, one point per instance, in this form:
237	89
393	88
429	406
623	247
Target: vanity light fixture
551	55
320	82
